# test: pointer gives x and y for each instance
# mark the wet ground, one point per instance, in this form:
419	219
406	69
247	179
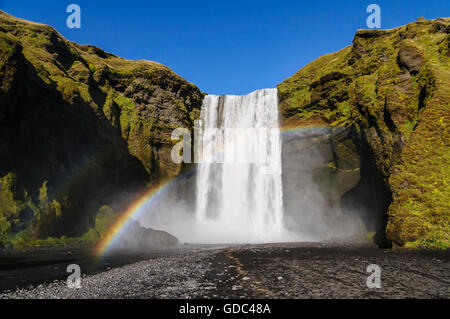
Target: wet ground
261	271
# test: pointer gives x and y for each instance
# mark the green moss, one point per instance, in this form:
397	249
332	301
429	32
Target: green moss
91	237
79	72
43	197
433	241
71	89
371	237
22	240
8	44
125	103
104	220
420	213
10	205
87	79
27	239
403	118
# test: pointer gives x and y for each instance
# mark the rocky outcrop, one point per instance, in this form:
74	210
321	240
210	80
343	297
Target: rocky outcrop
79	127
140	239
410	58
387	96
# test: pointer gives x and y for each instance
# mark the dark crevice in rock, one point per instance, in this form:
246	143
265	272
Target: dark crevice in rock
422	97
370	198
387	118
372	122
334	76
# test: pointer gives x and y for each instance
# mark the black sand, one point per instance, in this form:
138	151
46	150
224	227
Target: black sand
266	271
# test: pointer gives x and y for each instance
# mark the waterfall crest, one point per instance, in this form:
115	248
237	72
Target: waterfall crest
239	186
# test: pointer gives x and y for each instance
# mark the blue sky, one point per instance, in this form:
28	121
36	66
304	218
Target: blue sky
224	47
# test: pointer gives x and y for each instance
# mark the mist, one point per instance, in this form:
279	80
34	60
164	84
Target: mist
313	187
237	203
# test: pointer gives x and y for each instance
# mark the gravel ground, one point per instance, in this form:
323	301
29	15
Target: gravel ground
330	271
266	271
167	277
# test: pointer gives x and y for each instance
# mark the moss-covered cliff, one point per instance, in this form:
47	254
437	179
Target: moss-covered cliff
79	127
386	102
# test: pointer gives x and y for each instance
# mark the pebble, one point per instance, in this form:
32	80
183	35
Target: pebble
179	276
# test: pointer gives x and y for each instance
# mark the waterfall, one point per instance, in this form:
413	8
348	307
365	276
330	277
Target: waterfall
239	187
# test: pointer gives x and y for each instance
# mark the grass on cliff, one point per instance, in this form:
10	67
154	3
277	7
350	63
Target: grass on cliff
387	104
422	179
24	239
15	233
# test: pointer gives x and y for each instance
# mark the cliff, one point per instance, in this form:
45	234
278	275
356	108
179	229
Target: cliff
383	103
79	127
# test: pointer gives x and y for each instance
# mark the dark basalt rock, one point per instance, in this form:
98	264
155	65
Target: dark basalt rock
139	238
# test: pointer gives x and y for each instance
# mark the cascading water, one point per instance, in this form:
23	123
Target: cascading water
239	187
236	195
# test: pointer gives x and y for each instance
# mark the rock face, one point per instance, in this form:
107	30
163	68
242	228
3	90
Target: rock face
382	104
410	58
320	164
79	126
140	239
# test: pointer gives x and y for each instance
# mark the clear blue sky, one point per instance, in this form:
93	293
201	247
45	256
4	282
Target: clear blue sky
228	46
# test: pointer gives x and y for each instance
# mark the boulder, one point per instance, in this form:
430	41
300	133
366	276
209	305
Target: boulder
138	238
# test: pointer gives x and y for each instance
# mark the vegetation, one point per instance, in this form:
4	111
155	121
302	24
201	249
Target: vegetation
392	89
96	122
77	124
26	239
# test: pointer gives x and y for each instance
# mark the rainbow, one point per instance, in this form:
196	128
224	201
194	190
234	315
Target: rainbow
133	210
303	129
152	194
